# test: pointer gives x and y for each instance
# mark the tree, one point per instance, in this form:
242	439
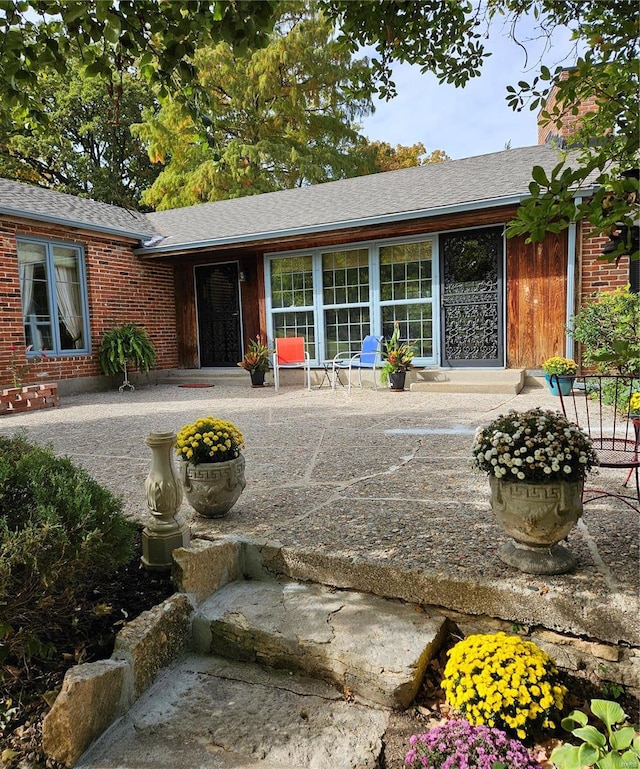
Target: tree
440	36
85	147
388	158
605	142
278	117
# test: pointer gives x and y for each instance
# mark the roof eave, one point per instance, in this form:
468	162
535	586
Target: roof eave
340	225
39	217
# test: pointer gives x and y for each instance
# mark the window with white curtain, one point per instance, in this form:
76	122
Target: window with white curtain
54	300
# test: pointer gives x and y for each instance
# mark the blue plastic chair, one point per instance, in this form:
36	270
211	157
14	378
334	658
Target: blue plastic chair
369	357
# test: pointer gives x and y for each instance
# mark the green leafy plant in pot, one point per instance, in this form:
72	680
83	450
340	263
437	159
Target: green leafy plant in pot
256	360
397	357
125	345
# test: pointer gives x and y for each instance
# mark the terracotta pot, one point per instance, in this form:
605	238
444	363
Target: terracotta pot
537	516
213	488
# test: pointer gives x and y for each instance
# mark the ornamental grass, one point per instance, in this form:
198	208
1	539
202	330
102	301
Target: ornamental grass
209	440
459	745
503	681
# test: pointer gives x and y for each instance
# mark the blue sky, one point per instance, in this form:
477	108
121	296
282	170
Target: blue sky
473	120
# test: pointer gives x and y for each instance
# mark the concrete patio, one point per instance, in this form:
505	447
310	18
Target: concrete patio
371	491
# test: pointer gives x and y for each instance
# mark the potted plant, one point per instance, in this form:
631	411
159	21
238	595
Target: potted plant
565	370
536	462
256	361
212	465
396	360
125	345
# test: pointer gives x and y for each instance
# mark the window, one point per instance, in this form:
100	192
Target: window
334	298
406	293
54	304
345	297
291	280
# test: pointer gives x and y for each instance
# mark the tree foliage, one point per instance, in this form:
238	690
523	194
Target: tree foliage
389	158
278	117
440	36
604	146
85	147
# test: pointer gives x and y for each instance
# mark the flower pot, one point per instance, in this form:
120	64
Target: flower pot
561	384
537	516
213	488
396	380
257	378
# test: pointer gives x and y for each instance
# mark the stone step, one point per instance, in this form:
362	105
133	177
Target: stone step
509	381
213	713
370	647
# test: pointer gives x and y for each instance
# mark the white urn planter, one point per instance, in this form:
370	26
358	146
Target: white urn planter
537	517
213	488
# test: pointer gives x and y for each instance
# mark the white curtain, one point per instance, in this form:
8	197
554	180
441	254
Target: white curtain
68	297
29	255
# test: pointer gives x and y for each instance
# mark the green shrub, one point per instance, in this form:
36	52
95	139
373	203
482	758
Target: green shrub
58	530
503	681
608	327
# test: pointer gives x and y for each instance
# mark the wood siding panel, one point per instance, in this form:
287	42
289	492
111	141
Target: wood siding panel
536	300
186	320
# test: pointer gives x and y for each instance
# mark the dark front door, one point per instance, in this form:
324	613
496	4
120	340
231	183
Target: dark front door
471	297
218	296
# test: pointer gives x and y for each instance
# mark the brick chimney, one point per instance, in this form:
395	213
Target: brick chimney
562	136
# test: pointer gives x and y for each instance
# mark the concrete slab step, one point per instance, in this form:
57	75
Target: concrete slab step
510	381
374	648
215	714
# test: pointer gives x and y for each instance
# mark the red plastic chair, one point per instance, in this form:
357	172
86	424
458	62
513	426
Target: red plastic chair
290	352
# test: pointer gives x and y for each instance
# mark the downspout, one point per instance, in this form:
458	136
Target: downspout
571	282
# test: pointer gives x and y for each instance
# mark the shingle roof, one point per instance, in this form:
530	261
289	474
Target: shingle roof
26	200
477	181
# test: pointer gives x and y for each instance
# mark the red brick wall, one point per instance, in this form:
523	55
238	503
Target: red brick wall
598	275
121	289
569	121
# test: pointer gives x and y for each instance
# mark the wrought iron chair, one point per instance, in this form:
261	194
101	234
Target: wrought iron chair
290	352
368	357
600	406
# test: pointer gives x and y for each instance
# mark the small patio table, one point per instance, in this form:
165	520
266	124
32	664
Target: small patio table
327	366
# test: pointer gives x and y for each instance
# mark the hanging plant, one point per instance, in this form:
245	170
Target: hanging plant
124	346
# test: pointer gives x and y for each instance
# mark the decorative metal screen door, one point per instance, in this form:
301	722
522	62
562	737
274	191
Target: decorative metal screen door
471	298
218	297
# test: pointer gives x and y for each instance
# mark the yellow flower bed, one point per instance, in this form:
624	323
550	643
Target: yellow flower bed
503	681
209	440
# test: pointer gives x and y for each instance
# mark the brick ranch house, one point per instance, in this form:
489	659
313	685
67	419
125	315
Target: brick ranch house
331	262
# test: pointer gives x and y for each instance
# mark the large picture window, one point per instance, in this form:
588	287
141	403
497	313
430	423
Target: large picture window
335	297
52	288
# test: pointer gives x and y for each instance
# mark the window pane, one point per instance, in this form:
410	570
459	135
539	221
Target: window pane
36	314
416	325
296	324
345	329
345	277
69	298
405	271
291	282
